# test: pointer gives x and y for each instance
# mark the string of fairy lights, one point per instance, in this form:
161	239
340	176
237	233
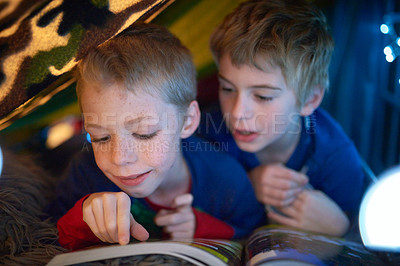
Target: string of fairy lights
391	51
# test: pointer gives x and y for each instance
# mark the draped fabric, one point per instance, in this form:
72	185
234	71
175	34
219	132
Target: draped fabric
360	77
41	42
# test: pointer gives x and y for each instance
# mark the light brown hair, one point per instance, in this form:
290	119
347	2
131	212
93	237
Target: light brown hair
291	35
145	55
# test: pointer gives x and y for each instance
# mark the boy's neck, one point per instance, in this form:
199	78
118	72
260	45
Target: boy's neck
281	150
176	183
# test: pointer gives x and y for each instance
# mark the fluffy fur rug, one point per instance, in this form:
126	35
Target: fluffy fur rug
26	238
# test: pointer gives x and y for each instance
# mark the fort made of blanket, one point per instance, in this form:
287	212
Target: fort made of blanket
42	41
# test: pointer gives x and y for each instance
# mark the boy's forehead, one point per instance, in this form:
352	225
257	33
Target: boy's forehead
116	105
130	120
127	119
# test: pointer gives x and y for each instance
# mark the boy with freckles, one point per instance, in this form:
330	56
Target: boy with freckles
273	58
142	176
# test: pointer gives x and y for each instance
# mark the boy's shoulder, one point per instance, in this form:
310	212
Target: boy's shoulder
213	129
200	148
327	129
332	149
83	164
85	156
210	159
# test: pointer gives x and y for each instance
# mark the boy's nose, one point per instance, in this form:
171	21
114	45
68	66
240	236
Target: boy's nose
241	109
123	154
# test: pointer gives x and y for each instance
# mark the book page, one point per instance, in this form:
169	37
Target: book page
276	243
196	252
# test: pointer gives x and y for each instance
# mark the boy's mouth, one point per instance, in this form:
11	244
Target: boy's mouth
133	180
244	135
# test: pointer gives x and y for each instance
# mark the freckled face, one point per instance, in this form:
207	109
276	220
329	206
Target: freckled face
258	107
135	137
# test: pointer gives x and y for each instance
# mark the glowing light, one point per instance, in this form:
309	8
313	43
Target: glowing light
379	220
58	134
88	138
388	50
390	58
384	29
398	41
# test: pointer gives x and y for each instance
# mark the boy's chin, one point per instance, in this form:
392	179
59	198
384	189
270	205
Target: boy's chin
137	194
250	147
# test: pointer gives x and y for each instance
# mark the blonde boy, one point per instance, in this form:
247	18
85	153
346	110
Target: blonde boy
273	58
144	174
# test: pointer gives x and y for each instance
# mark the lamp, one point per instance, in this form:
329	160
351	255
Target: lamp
379	218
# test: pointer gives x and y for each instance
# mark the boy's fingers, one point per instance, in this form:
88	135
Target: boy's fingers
123	220
173	218
180	235
182	213
137	230
90	220
184	200
296	178
98	212
282	219
110	216
183	227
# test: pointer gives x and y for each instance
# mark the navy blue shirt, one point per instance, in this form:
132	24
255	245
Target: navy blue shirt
333	163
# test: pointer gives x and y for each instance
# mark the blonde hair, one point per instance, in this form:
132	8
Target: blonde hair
145	55
291	35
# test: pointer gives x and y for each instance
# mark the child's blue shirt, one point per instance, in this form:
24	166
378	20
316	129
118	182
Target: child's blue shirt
333	163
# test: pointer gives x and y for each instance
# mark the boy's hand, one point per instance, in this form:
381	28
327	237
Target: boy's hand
276	184
313	210
108	215
179	223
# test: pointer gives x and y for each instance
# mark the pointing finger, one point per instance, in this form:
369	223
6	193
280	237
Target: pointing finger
123	220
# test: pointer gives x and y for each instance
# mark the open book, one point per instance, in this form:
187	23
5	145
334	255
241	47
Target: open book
269	245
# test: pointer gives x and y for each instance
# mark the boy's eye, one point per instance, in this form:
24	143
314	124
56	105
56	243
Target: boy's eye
264	98
226	90
100	140
145	136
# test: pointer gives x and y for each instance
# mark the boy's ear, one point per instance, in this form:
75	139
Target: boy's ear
192	120
312	102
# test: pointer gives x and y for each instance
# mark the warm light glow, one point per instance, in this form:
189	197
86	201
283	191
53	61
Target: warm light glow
384	29
379	213
58	134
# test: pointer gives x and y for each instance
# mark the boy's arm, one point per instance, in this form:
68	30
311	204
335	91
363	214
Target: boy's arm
73	232
208	226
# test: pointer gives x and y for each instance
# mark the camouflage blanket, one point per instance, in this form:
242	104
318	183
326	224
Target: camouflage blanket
41	42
